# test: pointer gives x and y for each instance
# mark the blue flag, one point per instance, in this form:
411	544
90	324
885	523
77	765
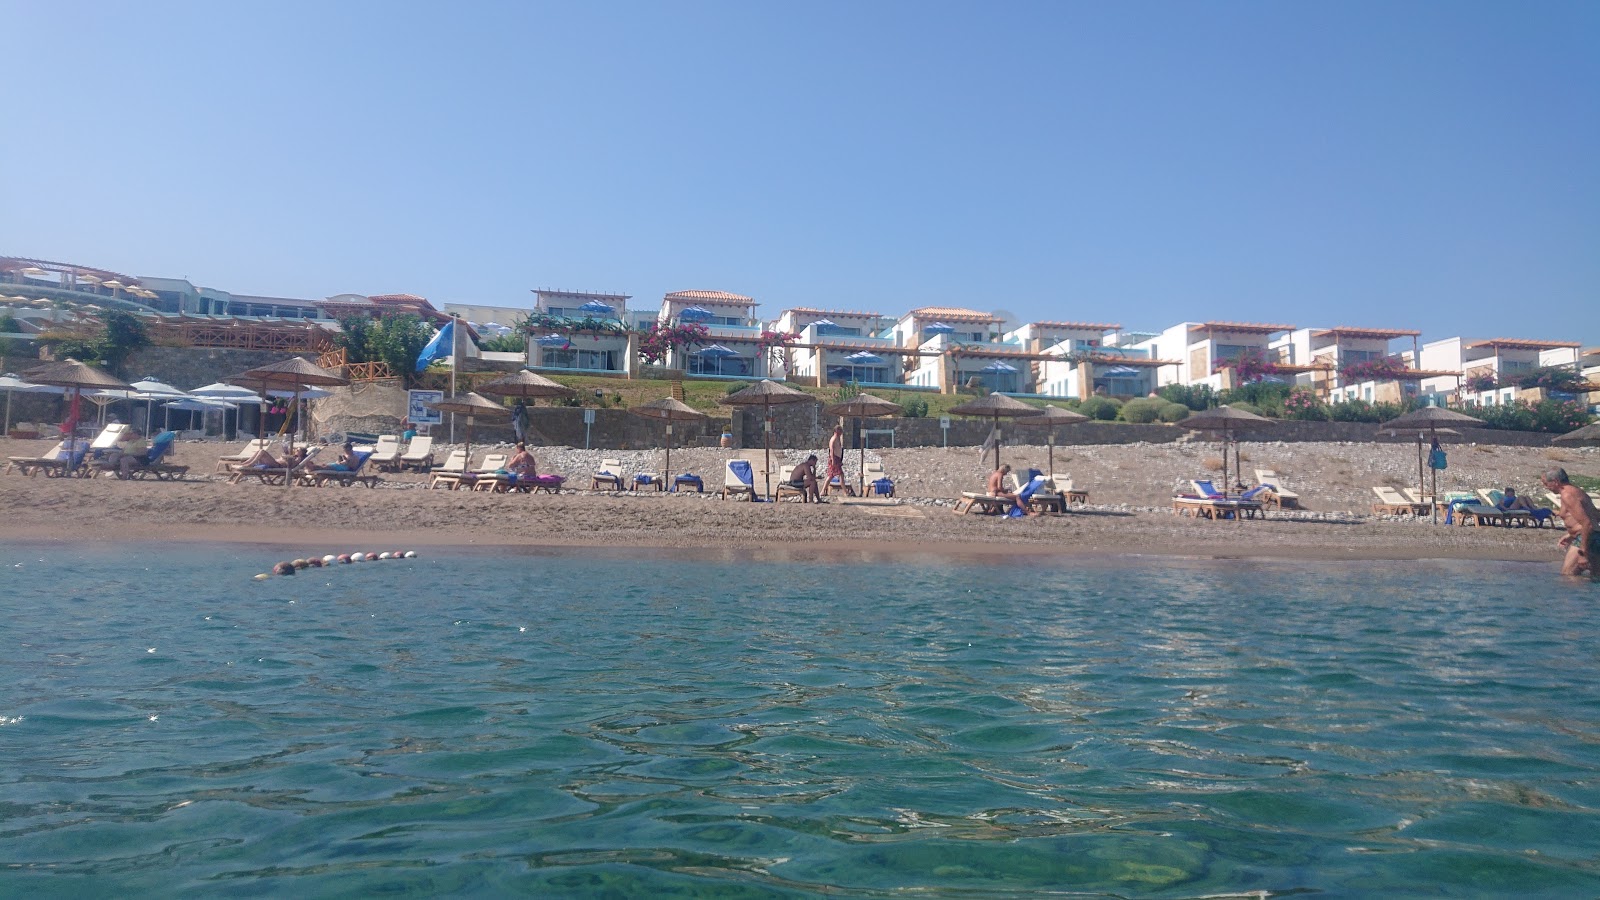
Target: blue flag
439	347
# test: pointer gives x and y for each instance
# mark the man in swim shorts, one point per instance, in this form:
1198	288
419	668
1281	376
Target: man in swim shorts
1580	516
804	477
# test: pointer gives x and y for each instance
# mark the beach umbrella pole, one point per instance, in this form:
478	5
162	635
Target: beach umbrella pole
666	470
862	444
767	442
7	430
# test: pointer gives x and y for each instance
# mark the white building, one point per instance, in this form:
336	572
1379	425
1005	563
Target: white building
1331	361
935	333
734	349
1498	362
1203	351
839	346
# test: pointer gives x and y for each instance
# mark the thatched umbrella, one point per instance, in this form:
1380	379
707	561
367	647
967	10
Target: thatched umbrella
994	406
1228	422
669	411
69	373
525	385
471	405
1588	434
766	393
1430	419
859	407
293	375
1050	418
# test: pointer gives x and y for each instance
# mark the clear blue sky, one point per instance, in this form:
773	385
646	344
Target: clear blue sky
1381	164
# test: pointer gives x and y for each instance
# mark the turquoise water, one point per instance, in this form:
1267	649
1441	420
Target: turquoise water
639	726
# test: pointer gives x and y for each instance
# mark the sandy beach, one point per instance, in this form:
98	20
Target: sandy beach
1129	511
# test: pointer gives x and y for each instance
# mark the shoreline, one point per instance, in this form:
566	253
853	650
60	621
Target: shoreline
1129	515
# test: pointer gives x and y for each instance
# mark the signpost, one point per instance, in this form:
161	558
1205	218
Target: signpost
419	413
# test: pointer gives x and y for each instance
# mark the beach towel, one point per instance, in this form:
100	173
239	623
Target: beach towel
1026	494
883	486
644	479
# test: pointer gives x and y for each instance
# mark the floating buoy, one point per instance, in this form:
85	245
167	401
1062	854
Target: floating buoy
283	568
411	554
298	564
314	562
263	576
344	558
329	560
358	557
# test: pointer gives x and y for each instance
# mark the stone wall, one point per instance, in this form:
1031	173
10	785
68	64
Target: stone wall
192	367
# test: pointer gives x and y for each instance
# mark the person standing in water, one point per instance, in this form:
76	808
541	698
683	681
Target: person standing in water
1578	513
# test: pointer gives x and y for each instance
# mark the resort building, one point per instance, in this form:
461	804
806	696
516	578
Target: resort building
581	332
1489	369
838	347
735	350
946	341
1348	363
1208	353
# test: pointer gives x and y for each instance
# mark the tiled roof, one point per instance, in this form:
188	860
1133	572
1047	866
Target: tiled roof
1241	327
953	313
1368	333
1081	326
711	296
587	295
1520	344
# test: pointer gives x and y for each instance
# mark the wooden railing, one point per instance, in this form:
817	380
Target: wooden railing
241	335
336	360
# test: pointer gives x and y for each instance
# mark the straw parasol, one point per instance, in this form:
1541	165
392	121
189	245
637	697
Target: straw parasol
471	405
669	411
294	375
995	406
1433	420
1051	417
766	393
1228	422
69	373
859	407
1588	434
527	385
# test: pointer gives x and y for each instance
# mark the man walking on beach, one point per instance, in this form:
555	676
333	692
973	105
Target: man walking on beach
835	460
1578	513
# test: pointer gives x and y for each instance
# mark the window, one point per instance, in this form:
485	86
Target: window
864	374
574	358
715	365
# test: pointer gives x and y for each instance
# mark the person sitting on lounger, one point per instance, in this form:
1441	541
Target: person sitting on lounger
262	459
804	477
346	461
997	488
522	465
1509	501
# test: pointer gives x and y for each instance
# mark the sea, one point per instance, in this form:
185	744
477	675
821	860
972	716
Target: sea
527	722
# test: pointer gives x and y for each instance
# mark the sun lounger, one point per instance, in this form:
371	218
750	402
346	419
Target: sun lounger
1538	518
274	474
1044	499
449	475
785	487
983	504
418	455
491	476
679	482
1276	494
1391	503
609	473
533	484
149	463
65	458
343	477
738	480
1062	484
878	482
251	448
386	457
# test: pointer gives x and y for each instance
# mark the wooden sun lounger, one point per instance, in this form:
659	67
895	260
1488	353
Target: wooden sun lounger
1207	508
984	504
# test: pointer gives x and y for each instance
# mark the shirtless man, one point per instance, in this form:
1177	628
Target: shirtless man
804	477
997	488
835	460
1579	515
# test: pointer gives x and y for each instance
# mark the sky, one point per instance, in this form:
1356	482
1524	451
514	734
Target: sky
1397	164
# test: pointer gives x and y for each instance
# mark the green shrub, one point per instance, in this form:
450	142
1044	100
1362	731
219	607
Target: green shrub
1195	397
1550	416
915	408
1143	410
1174	412
1353	411
1104	409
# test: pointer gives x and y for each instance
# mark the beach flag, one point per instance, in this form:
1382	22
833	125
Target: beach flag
440	347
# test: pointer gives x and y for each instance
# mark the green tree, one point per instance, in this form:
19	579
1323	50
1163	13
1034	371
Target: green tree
109	344
396	340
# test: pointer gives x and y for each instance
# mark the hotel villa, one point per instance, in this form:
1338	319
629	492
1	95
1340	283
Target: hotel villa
931	348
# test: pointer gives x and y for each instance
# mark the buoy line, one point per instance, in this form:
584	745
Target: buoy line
290	567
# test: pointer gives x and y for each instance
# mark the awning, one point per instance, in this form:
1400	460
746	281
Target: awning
597	308
715	350
695	314
863	358
998	366
1120	372
938	328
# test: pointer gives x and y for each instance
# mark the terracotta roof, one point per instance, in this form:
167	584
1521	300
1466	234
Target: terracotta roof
711	296
1370	333
1081	326
952	313
1241	327
397	298
1520	344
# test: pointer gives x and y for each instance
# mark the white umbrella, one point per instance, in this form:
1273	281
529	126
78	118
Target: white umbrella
219	391
11	384
150	390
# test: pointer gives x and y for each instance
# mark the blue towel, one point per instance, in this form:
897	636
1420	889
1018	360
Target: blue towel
1026	494
644	479
741	470
883	486
688	479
